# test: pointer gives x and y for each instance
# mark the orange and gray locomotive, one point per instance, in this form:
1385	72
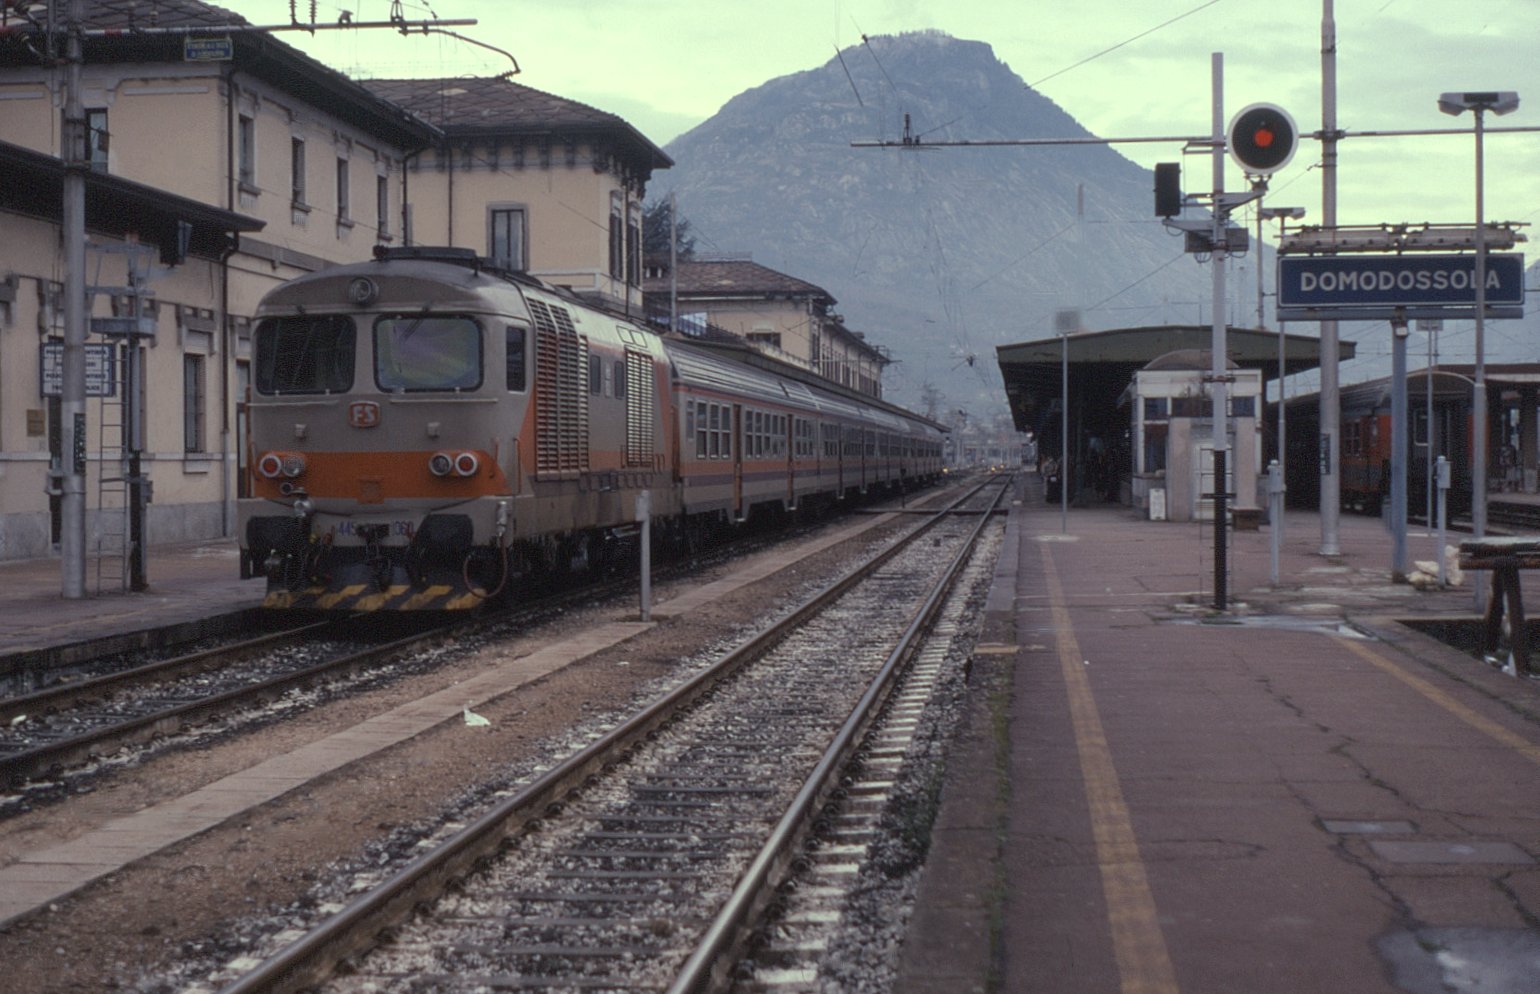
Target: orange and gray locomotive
427	432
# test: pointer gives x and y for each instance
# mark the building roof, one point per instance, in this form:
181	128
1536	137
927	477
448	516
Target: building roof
154	31
742	278
1102	363
493	106
34	186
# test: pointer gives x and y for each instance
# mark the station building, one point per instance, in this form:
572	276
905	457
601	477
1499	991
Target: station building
1139	419
211	182
778	314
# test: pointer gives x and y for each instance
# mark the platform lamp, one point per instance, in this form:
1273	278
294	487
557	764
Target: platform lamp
1478	103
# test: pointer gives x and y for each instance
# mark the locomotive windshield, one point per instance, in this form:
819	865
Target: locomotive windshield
427	352
305	355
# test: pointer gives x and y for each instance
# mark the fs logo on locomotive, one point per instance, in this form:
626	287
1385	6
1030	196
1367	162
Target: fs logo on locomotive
364	414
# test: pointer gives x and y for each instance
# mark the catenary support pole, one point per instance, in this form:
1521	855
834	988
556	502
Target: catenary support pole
1331	398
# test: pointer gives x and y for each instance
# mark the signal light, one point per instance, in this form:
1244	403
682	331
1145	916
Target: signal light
1168	189
441	464
1262	138
466	464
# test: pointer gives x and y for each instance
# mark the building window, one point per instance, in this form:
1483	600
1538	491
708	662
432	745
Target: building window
617	239
297	171
96	139
506	238
246	140
343	212
634	246
194	402
382	205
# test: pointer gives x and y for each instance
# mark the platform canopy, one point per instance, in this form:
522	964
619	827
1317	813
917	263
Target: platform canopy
1101	363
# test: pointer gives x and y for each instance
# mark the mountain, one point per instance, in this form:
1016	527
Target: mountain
937	255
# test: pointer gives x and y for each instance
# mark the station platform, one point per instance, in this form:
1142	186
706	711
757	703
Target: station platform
186	582
1299	794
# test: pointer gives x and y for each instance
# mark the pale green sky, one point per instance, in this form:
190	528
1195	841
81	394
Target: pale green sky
667	65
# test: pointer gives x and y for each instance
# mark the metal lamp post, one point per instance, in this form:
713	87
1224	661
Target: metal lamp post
1283	214
1478	103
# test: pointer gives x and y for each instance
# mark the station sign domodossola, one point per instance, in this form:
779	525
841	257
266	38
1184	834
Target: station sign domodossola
1391	287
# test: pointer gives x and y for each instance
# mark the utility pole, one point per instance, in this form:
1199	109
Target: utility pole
72	472
1218	344
1331	397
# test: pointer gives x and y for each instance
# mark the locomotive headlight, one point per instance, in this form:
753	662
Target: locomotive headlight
466	464
293	465
441	464
363	291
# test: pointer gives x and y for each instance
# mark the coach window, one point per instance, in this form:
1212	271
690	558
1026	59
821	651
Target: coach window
514	339
702	444
715	427
304	355
414	352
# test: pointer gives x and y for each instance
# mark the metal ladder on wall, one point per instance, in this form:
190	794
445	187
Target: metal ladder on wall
111	547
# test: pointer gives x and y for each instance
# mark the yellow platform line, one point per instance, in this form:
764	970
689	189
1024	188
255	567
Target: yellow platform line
1139	946
1512	740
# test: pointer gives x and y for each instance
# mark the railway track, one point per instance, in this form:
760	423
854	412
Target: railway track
647	859
47	733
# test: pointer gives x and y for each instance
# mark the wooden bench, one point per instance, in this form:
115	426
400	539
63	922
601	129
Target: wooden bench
1504	557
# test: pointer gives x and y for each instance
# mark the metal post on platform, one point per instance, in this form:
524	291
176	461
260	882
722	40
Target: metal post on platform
1275	512
644	515
1442	472
1398	449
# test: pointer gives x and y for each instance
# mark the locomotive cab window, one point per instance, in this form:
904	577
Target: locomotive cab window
305	355
420	352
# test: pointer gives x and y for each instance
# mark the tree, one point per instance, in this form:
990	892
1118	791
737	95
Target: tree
655	227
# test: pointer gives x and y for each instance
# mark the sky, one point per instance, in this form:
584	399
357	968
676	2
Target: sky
1122	68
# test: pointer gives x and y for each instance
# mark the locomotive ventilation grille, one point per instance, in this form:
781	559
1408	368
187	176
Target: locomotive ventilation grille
561	391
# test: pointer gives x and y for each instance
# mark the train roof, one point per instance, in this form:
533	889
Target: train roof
1373	394
700	366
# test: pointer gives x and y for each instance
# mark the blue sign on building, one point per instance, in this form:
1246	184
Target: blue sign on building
1383	287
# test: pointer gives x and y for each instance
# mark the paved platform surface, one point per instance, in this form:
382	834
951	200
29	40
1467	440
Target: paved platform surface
1299	795
185	582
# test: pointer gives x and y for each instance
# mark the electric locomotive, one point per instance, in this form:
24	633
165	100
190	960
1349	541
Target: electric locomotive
430	433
